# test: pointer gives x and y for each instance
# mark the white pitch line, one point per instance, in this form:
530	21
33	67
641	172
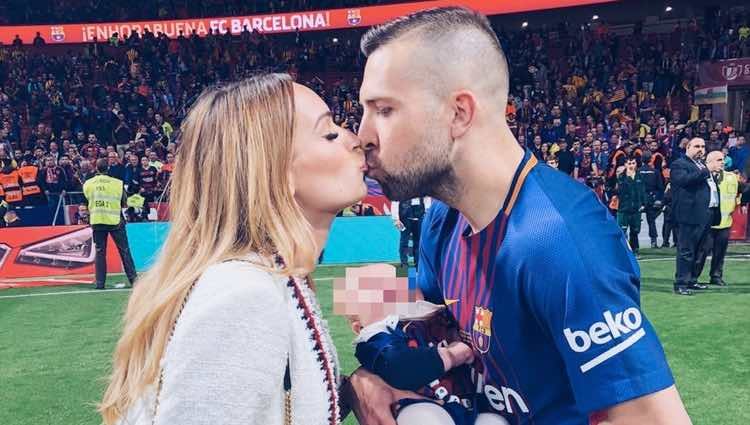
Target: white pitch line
99	291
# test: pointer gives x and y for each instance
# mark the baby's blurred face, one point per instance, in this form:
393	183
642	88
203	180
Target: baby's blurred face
365	299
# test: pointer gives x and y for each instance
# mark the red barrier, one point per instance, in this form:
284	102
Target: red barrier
51	251
273	23
738	232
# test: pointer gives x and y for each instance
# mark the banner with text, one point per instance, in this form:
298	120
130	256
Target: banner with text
731	72
271	23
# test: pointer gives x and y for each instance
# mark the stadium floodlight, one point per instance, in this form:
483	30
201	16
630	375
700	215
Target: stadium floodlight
668	9
524	24
335	40
595	17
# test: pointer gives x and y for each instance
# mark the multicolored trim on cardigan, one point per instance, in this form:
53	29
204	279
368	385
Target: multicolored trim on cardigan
323	352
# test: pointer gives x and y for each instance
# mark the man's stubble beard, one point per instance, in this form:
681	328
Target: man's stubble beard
424	171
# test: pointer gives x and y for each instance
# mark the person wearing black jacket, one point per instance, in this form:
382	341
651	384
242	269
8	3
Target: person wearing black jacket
668	227
654	195
632	194
407	217
695	207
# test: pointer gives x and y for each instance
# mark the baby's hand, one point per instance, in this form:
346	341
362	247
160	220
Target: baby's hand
455	354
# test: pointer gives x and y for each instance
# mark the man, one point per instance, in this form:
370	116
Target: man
54	182
695	207
407	217
717	240
632	194
527	260
147	184
106	197
566	159
31	184
116	169
654	189
668	228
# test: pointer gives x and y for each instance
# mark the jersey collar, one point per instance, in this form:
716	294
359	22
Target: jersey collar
528	162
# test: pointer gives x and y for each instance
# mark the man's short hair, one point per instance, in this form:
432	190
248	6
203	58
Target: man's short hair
457	33
102	165
434	21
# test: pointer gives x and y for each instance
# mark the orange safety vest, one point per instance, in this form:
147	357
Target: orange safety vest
11	187
28	180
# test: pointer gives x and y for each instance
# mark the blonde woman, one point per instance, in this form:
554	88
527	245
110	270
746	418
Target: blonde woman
224	328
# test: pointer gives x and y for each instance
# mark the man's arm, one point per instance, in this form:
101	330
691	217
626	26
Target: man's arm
661	408
683	177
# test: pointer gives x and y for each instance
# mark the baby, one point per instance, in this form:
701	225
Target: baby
412	345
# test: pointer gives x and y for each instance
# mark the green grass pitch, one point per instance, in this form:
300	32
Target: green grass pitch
55	349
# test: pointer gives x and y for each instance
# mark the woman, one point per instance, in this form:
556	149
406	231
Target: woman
226	314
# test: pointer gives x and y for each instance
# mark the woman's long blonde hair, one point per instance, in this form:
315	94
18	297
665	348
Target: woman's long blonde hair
230	196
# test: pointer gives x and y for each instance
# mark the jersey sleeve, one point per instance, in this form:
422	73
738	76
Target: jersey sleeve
588	301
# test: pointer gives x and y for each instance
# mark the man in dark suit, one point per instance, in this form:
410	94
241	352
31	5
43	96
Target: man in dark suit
695	208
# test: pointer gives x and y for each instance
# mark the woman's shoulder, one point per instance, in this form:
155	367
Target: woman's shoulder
236	283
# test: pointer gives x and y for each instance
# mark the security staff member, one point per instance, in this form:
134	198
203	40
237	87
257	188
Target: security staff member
407	217
717	240
10	182
632	194
695	207
106	197
32	191
654	194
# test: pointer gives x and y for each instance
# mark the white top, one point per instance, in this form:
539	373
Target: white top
226	361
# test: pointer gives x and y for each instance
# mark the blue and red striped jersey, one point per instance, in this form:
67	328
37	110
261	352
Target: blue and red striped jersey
549	295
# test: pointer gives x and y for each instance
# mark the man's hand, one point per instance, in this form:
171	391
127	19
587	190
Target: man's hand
372	399
399	225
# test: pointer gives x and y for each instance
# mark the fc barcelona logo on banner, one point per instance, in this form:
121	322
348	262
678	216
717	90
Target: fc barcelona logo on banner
57	33
482	329
353	16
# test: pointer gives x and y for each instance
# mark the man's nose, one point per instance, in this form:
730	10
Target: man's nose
368	135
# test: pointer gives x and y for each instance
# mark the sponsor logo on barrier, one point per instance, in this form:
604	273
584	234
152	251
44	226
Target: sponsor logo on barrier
612	328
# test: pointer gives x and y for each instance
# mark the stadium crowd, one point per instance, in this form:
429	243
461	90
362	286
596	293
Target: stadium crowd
582	99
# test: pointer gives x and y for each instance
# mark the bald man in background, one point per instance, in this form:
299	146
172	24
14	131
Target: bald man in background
717	239
531	265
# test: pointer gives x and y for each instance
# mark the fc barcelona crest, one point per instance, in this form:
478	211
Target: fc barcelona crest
57	33
482	329
354	17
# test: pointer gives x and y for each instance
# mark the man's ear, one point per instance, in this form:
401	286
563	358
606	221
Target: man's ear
464	106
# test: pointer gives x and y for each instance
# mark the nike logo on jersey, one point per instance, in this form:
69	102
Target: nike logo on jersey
614	327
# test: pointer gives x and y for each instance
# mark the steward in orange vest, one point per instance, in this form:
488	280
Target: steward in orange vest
10	181
30	183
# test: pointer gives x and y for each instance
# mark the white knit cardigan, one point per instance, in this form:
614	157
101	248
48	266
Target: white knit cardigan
225	363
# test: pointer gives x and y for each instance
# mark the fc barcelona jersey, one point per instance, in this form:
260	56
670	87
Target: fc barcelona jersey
548	295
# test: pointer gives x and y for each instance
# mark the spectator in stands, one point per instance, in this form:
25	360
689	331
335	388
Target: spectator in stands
11	219
38	40
54	182
116	169
147	183
740	153
131	174
565	157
